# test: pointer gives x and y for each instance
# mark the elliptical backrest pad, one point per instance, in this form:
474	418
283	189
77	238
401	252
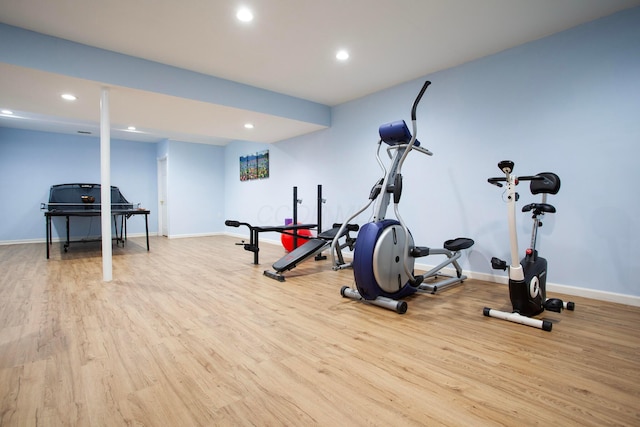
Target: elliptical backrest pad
395	133
550	184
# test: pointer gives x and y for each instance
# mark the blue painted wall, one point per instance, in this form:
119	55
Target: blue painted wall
31	162
195	189
568	103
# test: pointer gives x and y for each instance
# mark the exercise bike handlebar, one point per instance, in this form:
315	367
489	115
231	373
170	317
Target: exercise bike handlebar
497	180
530	178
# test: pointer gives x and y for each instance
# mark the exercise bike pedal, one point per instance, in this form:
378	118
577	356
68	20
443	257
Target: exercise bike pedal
498	264
553	304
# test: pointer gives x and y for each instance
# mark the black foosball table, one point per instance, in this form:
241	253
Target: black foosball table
83	200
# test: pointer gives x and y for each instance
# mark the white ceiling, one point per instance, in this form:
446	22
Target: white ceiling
289	48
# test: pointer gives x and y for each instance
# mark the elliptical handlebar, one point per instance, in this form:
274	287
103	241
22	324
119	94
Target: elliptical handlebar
418	98
415	281
414	124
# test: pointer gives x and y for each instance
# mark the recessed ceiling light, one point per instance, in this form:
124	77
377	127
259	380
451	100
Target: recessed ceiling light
68	97
248	125
244	15
131	128
8	112
342	55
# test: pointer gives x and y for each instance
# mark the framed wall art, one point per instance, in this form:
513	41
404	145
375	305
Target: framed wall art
254	166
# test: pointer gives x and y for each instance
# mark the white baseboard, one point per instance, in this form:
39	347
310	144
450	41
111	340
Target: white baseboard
595	294
185	236
20	242
61	239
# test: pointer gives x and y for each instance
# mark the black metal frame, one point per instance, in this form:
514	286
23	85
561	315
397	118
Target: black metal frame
122	237
290	230
254	234
83	200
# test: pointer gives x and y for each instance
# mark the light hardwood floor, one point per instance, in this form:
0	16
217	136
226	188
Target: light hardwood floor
192	334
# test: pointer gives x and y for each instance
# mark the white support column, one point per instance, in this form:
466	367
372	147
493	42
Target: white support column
105	183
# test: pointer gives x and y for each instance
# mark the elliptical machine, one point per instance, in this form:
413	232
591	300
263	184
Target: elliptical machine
528	277
384	254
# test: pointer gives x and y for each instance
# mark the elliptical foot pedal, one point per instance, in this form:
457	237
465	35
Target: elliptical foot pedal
458	244
419	251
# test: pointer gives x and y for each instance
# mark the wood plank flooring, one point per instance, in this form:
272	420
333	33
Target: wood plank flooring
192	334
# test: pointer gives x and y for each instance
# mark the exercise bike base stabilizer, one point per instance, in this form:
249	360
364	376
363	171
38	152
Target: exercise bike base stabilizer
385	254
528	277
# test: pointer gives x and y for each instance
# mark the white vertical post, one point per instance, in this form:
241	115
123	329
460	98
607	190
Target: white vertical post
105	183
515	269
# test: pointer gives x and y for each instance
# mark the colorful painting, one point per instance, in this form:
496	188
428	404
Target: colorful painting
254	166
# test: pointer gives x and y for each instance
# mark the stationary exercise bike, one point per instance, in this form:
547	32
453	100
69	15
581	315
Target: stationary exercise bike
384	254
528	277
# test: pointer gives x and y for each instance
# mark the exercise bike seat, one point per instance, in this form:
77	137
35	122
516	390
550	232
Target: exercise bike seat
538	208
549	184
458	244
